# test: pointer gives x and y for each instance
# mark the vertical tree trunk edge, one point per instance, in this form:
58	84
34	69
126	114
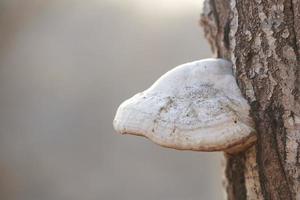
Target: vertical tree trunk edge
262	39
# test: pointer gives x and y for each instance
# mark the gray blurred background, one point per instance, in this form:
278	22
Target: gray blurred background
65	66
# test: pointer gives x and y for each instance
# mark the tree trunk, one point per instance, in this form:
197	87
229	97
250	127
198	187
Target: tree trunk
262	39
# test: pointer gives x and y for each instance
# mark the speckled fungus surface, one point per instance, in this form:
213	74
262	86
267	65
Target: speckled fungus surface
195	106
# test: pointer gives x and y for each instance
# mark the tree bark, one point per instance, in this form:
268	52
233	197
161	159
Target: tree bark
262	39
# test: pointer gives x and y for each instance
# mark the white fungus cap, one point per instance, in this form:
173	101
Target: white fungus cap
195	106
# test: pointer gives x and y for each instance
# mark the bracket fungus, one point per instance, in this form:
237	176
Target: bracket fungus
195	106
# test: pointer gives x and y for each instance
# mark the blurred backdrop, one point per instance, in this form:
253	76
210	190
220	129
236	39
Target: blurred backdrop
65	66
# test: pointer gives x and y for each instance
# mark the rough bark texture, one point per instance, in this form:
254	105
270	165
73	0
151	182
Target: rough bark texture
262	39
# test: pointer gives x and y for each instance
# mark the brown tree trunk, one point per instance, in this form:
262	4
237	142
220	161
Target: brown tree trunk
262	39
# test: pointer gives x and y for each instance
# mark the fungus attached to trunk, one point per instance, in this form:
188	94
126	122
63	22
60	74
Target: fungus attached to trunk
195	106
